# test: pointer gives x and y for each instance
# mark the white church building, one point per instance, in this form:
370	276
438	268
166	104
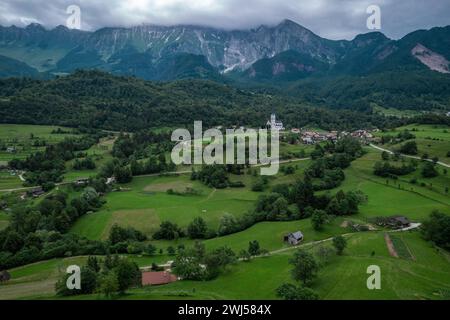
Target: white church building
274	124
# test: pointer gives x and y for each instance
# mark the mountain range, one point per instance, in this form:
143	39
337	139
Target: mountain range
275	54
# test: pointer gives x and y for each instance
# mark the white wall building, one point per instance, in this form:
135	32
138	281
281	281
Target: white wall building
274	124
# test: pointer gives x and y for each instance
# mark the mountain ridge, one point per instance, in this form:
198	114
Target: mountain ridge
61	50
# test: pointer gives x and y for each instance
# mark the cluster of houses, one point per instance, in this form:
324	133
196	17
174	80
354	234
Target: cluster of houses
313	137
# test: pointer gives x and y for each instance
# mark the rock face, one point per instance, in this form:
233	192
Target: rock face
287	51
431	59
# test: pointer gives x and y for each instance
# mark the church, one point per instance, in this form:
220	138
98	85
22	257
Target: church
274	124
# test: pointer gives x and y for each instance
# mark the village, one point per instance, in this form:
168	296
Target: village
311	137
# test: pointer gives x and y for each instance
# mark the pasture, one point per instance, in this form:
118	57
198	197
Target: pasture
433	140
25	138
342	277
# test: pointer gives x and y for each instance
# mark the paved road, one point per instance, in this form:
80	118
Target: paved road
408	156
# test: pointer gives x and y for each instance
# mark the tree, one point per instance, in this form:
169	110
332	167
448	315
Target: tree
171	251
253	248
168	231
245	255
88	280
150	249
199	250
409	148
303	194
92	263
339	244
117	234
188	267
429	170
128	274
228	224
289	291
437	229
108	284
123	174
305	267
385	156
318	219
197	228
218	260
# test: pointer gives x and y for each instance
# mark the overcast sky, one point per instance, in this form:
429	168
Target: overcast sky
333	19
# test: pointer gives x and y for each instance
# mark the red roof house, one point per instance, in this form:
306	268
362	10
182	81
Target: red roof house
157	278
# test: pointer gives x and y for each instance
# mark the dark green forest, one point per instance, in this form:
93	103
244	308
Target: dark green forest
96	99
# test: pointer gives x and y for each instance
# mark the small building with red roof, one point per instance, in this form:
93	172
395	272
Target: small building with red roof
157	278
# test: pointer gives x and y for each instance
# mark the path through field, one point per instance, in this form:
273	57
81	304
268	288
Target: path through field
390	246
408	156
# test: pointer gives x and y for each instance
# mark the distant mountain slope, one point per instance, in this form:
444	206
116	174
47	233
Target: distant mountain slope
277	54
14	68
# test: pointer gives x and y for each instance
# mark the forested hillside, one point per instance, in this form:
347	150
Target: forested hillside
97	99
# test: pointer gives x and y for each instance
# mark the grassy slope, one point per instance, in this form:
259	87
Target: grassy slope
411	200
426	277
19	136
424	138
146	203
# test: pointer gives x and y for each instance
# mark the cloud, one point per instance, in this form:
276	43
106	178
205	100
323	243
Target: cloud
335	19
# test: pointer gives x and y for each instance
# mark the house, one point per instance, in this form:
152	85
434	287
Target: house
295	130
36	192
307	140
4	276
11	149
274	124
82	182
110	180
157	278
398	222
294	238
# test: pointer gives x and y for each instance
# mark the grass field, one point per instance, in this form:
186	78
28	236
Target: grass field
433	140
343	277
386	199
420	272
101	153
9	181
147	197
4	218
22	138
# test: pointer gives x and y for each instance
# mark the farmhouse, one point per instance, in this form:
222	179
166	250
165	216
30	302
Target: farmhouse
294	238
157	278
36	192
398	222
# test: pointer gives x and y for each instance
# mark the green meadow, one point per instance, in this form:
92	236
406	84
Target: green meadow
420	272
342	277
387	197
433	140
23	137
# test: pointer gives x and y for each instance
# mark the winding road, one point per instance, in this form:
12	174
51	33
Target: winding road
408	156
